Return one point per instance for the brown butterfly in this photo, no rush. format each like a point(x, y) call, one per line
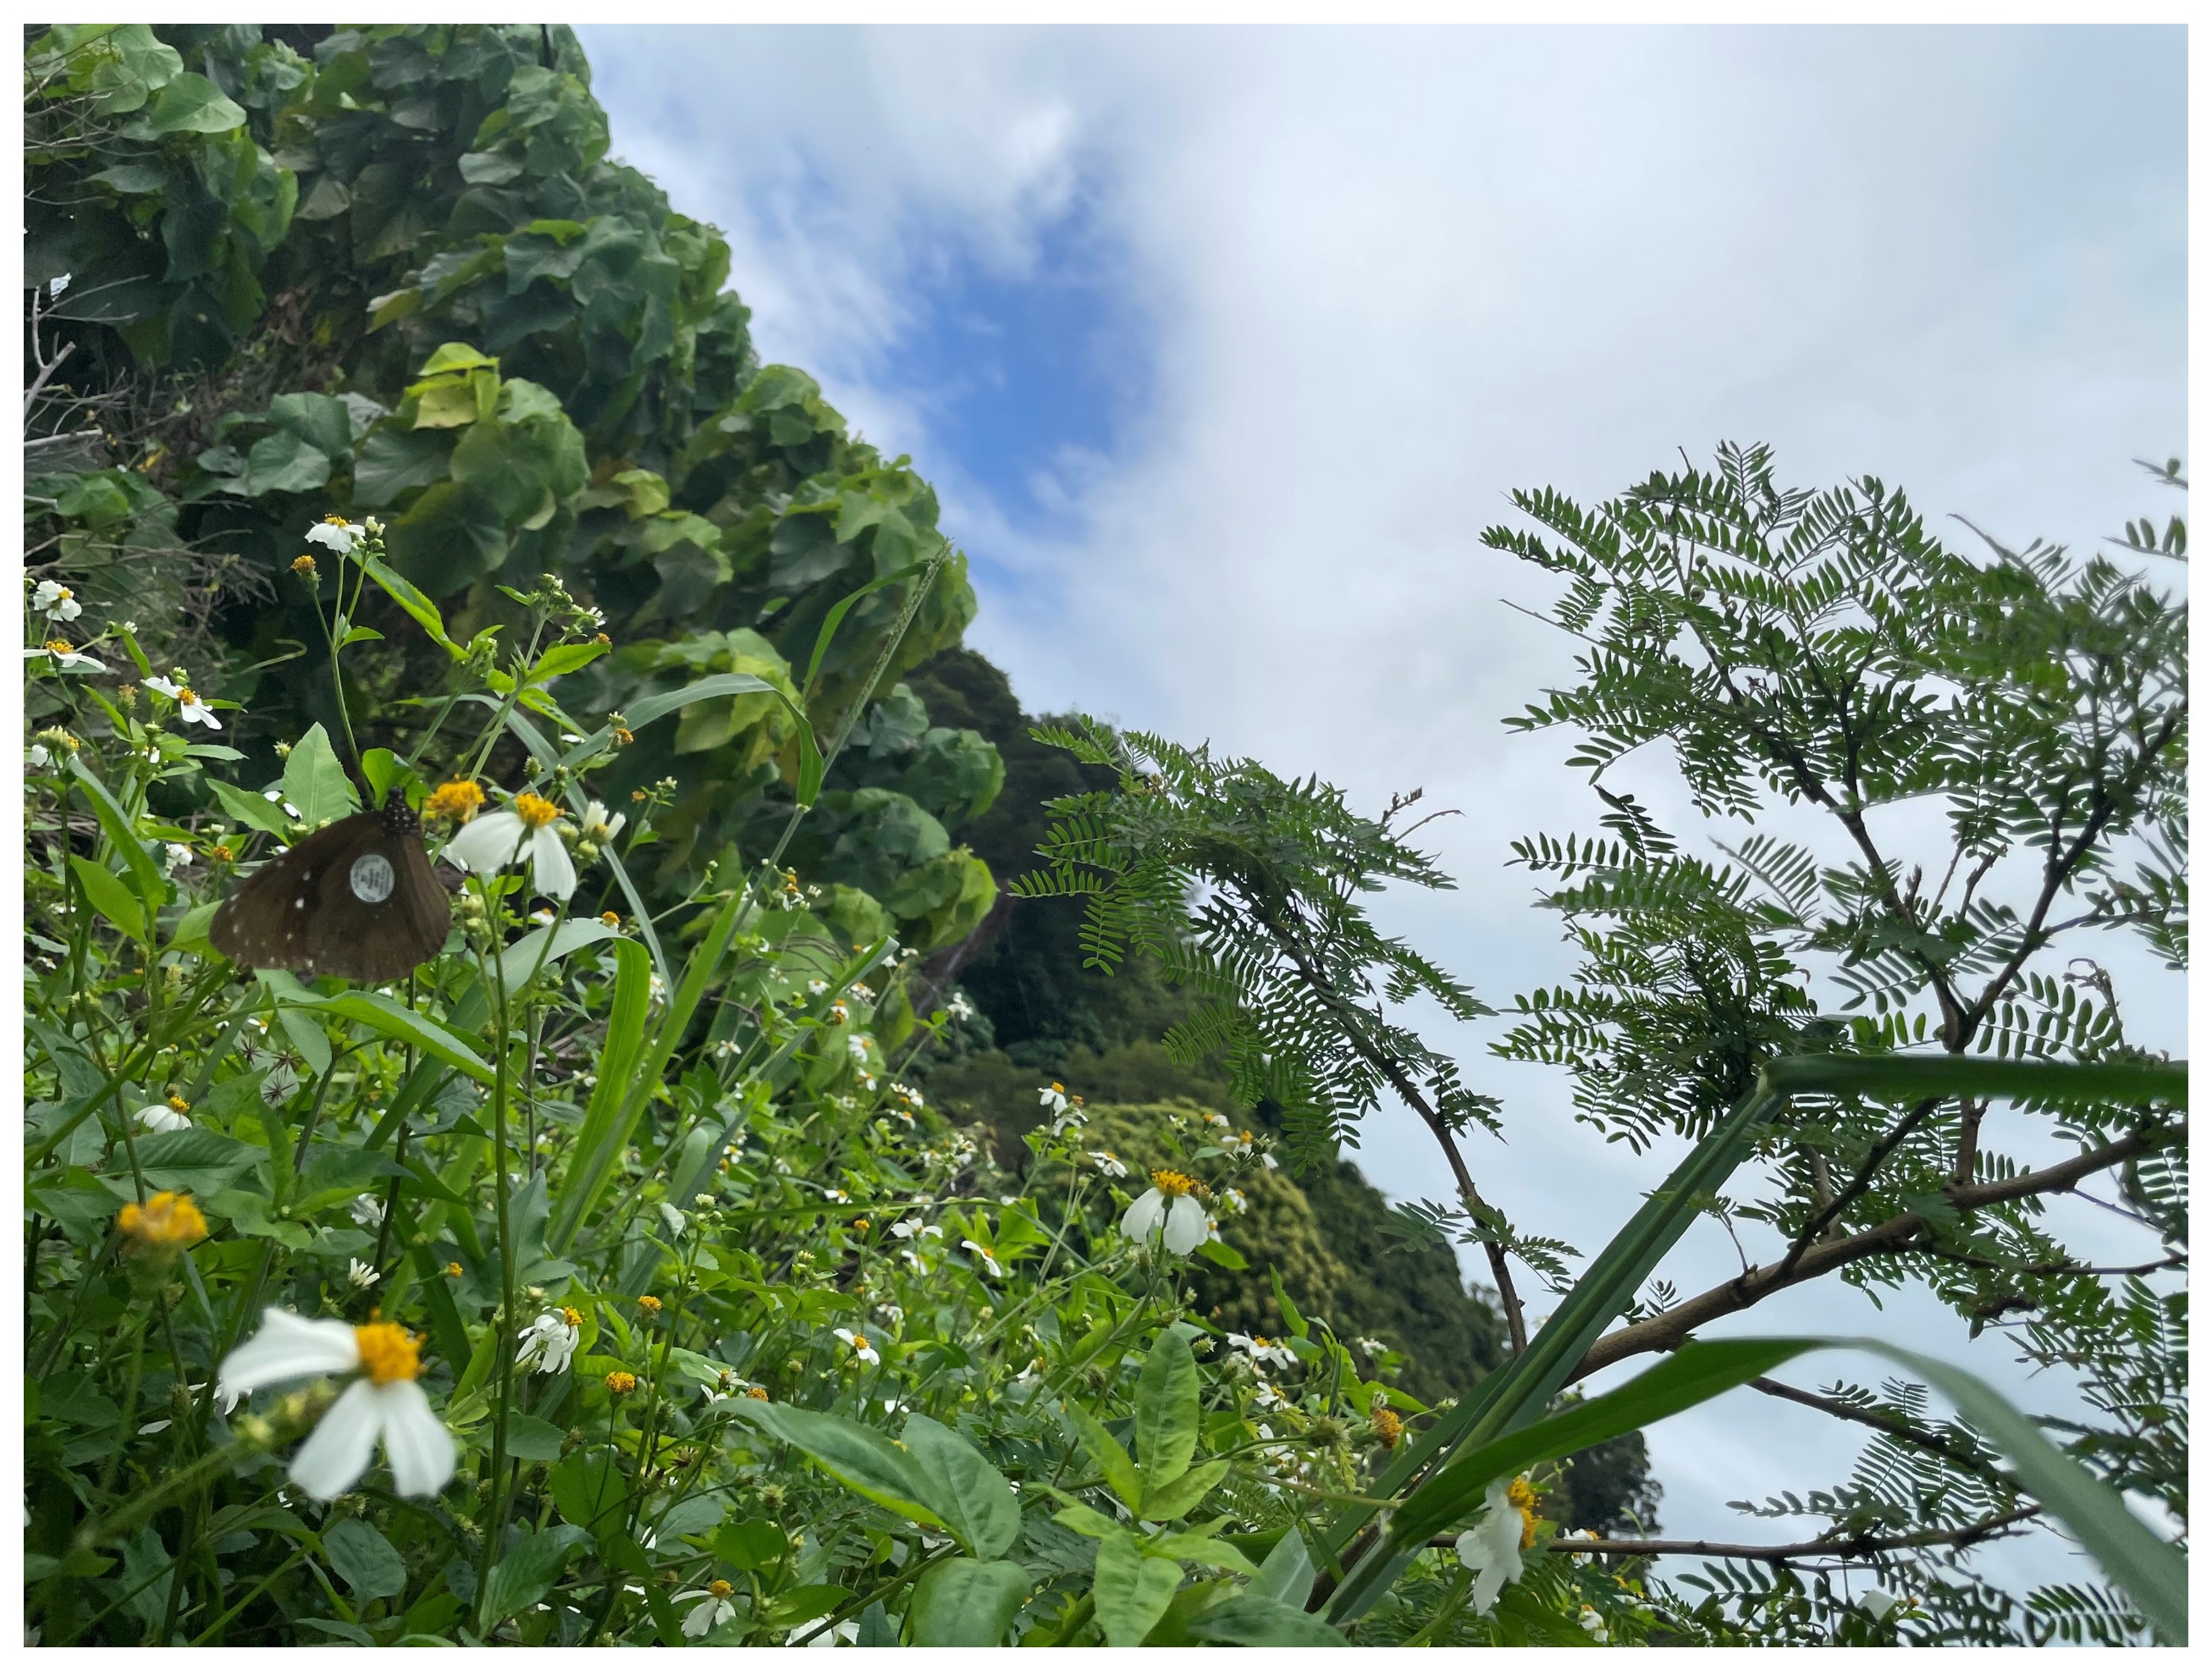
point(357, 899)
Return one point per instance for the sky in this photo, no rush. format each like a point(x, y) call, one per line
point(1222, 348)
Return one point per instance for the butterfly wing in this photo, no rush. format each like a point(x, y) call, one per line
point(363, 937)
point(266, 923)
point(357, 900)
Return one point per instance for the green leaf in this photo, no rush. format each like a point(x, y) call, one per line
point(618, 1056)
point(1167, 1411)
point(1221, 1253)
point(564, 659)
point(315, 782)
point(1287, 1574)
point(1904, 1078)
point(532, 1440)
point(146, 880)
point(1181, 1494)
point(962, 1603)
point(1112, 1461)
point(251, 810)
point(365, 1559)
point(587, 1485)
point(394, 1020)
point(198, 1160)
point(1212, 1552)
point(531, 952)
point(104, 889)
point(529, 1570)
point(1250, 1619)
point(837, 616)
point(190, 103)
point(971, 1497)
point(1131, 1590)
point(752, 1546)
point(284, 462)
point(414, 600)
point(858, 1457)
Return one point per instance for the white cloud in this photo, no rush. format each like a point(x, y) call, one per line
point(1393, 276)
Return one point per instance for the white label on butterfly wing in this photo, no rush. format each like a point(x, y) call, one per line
point(372, 878)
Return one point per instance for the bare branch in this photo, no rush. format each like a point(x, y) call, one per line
point(1785, 1554)
point(1667, 1329)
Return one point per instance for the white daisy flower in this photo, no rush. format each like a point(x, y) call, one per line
point(67, 656)
point(384, 1404)
point(361, 1274)
point(960, 1009)
point(1169, 1211)
point(857, 1047)
point(56, 601)
point(367, 1212)
point(1593, 1622)
point(1373, 1348)
point(905, 1228)
point(990, 1259)
point(1490, 1548)
point(174, 854)
point(817, 987)
point(1053, 1096)
point(162, 1117)
point(548, 1344)
point(1108, 1162)
point(599, 826)
point(335, 534)
point(489, 843)
point(847, 1631)
point(1261, 1350)
point(190, 709)
point(859, 1343)
point(714, 1607)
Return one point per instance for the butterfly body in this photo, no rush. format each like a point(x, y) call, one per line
point(357, 899)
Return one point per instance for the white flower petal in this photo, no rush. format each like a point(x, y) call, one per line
point(415, 1441)
point(337, 1453)
point(290, 1348)
point(486, 845)
point(553, 872)
point(1186, 1225)
point(1142, 1221)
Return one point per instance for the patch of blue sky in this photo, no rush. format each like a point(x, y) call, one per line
point(1027, 377)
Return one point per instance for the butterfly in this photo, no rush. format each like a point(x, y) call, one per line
point(357, 899)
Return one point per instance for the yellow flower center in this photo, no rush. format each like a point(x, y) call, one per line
point(535, 811)
point(649, 1302)
point(719, 1589)
point(180, 1106)
point(613, 919)
point(61, 646)
point(859, 1343)
point(303, 564)
point(188, 698)
point(1522, 1496)
point(168, 1219)
point(336, 520)
point(1170, 1182)
point(1389, 1427)
point(1261, 1343)
point(1058, 1089)
point(458, 799)
point(388, 1352)
point(454, 1268)
point(760, 1393)
point(620, 1382)
point(571, 1316)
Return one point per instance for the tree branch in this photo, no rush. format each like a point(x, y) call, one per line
point(1667, 1329)
point(1355, 1033)
point(1896, 1427)
point(1783, 1554)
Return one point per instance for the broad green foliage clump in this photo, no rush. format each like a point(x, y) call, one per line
point(393, 271)
point(674, 1258)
